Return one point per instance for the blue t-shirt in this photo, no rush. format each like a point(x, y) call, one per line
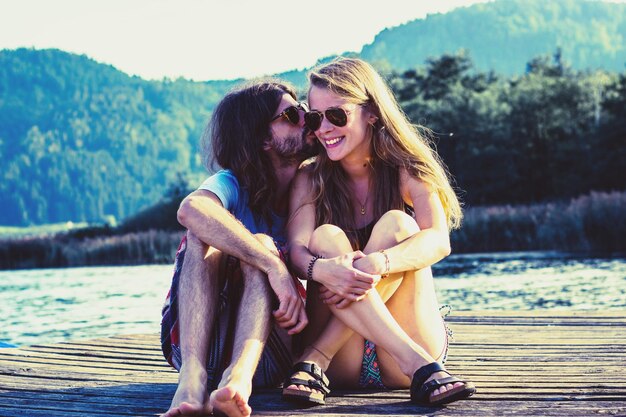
point(226, 187)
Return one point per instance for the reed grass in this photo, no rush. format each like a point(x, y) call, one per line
point(591, 223)
point(147, 247)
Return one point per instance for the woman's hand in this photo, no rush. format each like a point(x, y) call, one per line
point(333, 299)
point(340, 277)
point(373, 264)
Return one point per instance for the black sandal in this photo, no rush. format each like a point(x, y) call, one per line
point(319, 383)
point(421, 390)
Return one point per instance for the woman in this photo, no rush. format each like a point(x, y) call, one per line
point(368, 218)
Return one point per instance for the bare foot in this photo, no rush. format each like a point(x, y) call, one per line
point(228, 401)
point(191, 397)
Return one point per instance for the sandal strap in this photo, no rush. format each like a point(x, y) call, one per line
point(311, 383)
point(319, 382)
point(433, 384)
point(422, 374)
point(420, 389)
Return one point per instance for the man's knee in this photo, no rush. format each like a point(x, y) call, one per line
point(268, 242)
point(196, 246)
point(249, 271)
point(199, 255)
point(396, 223)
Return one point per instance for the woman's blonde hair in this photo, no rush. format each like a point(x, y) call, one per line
point(396, 143)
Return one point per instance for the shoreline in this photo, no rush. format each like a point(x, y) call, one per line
point(590, 223)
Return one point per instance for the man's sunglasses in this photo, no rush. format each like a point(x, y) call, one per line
point(292, 113)
point(335, 115)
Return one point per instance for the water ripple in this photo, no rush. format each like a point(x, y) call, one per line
point(52, 305)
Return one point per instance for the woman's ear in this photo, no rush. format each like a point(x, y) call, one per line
point(372, 117)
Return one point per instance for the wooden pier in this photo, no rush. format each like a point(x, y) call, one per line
point(523, 364)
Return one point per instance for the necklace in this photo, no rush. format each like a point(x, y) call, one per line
point(363, 204)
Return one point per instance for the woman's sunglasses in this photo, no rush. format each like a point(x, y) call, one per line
point(335, 115)
point(292, 113)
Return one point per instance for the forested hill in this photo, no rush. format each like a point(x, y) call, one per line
point(80, 140)
point(503, 34)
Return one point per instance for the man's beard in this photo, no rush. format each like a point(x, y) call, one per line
point(295, 149)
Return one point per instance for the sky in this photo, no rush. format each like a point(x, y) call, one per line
point(206, 39)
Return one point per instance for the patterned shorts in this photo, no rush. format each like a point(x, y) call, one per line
point(370, 376)
point(276, 359)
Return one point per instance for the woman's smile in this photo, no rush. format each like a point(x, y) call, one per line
point(333, 142)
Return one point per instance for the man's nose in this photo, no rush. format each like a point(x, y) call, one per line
point(301, 113)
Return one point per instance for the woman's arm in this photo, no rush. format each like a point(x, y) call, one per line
point(424, 248)
point(337, 273)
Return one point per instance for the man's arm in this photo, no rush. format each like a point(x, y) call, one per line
point(203, 214)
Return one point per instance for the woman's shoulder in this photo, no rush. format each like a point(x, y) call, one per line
point(411, 184)
point(302, 184)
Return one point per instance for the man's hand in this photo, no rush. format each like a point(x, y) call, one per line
point(340, 277)
point(290, 314)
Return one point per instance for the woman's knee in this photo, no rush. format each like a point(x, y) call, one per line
point(327, 238)
point(395, 224)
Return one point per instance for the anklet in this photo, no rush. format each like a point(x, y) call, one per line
point(321, 353)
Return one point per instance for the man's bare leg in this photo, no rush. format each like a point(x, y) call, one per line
point(197, 303)
point(254, 323)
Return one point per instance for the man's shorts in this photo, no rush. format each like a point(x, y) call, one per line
point(276, 359)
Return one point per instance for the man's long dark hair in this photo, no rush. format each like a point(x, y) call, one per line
point(234, 138)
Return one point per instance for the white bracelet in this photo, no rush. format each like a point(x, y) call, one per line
point(386, 273)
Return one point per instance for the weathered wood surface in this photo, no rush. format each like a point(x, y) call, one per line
point(523, 363)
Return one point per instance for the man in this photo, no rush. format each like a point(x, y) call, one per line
point(233, 303)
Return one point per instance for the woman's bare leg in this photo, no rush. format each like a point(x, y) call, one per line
point(413, 304)
point(326, 336)
point(427, 334)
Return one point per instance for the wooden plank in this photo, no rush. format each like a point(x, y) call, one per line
point(548, 364)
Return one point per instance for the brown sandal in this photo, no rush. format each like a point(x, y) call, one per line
point(319, 383)
point(421, 390)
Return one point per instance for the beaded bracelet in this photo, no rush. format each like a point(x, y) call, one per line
point(309, 270)
point(386, 273)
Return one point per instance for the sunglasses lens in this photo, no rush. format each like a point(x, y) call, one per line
point(313, 120)
point(292, 115)
point(337, 116)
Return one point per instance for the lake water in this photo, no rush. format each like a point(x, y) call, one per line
point(53, 305)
